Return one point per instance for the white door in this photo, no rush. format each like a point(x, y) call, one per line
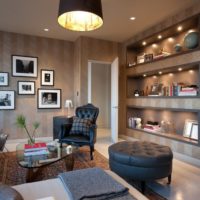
point(114, 99)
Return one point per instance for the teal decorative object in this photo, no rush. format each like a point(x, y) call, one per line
point(191, 40)
point(178, 48)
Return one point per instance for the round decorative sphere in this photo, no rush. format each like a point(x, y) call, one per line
point(191, 40)
point(178, 47)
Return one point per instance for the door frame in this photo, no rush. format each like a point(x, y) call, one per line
point(90, 82)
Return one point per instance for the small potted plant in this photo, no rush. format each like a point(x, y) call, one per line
point(21, 123)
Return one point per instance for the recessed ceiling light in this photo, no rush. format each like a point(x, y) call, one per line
point(170, 74)
point(132, 18)
point(144, 75)
point(171, 39)
point(179, 69)
point(159, 36)
point(154, 45)
point(46, 29)
point(154, 76)
point(191, 71)
point(160, 72)
point(179, 28)
point(144, 43)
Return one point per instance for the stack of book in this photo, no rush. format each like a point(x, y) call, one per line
point(35, 149)
point(188, 91)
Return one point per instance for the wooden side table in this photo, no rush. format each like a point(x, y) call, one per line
point(57, 122)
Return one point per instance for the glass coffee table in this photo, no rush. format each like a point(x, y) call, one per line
point(36, 162)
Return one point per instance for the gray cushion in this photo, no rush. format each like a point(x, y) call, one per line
point(8, 193)
point(80, 126)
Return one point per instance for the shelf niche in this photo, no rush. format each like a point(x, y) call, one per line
point(157, 115)
point(170, 37)
point(186, 74)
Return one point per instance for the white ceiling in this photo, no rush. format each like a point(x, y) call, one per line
point(32, 16)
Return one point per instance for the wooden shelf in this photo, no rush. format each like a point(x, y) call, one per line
point(168, 135)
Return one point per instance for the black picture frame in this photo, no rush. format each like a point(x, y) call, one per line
point(7, 100)
point(4, 79)
point(47, 77)
point(26, 87)
point(24, 66)
point(49, 98)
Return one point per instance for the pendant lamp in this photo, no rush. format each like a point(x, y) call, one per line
point(80, 15)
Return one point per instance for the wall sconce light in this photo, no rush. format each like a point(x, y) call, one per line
point(68, 105)
point(80, 15)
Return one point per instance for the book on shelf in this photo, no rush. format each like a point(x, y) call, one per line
point(36, 153)
point(35, 147)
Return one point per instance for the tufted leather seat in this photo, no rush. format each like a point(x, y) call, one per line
point(141, 160)
point(87, 111)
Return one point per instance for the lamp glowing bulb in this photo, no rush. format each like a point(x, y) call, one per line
point(159, 36)
point(160, 72)
point(180, 69)
point(144, 75)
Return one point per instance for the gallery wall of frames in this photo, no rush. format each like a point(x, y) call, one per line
point(26, 66)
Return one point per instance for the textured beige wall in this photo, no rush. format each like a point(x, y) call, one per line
point(52, 54)
point(92, 49)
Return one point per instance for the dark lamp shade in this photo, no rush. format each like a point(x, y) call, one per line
point(80, 15)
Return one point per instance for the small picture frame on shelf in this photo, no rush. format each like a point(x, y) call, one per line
point(49, 98)
point(7, 100)
point(148, 57)
point(191, 129)
point(47, 77)
point(194, 131)
point(4, 79)
point(24, 66)
point(140, 59)
point(26, 87)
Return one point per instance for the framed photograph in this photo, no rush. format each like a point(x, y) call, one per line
point(148, 57)
point(26, 87)
point(47, 77)
point(3, 78)
point(7, 100)
point(48, 98)
point(191, 129)
point(24, 66)
point(194, 131)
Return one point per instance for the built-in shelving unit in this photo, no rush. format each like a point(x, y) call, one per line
point(164, 44)
point(163, 84)
point(169, 126)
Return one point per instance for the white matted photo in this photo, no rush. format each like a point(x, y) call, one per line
point(49, 98)
point(24, 66)
point(7, 100)
point(191, 129)
point(47, 77)
point(26, 87)
point(3, 78)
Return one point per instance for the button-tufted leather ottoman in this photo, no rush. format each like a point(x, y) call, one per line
point(141, 161)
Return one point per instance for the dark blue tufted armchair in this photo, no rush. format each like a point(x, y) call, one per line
point(88, 111)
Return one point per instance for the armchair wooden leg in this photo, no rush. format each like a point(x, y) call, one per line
point(91, 152)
